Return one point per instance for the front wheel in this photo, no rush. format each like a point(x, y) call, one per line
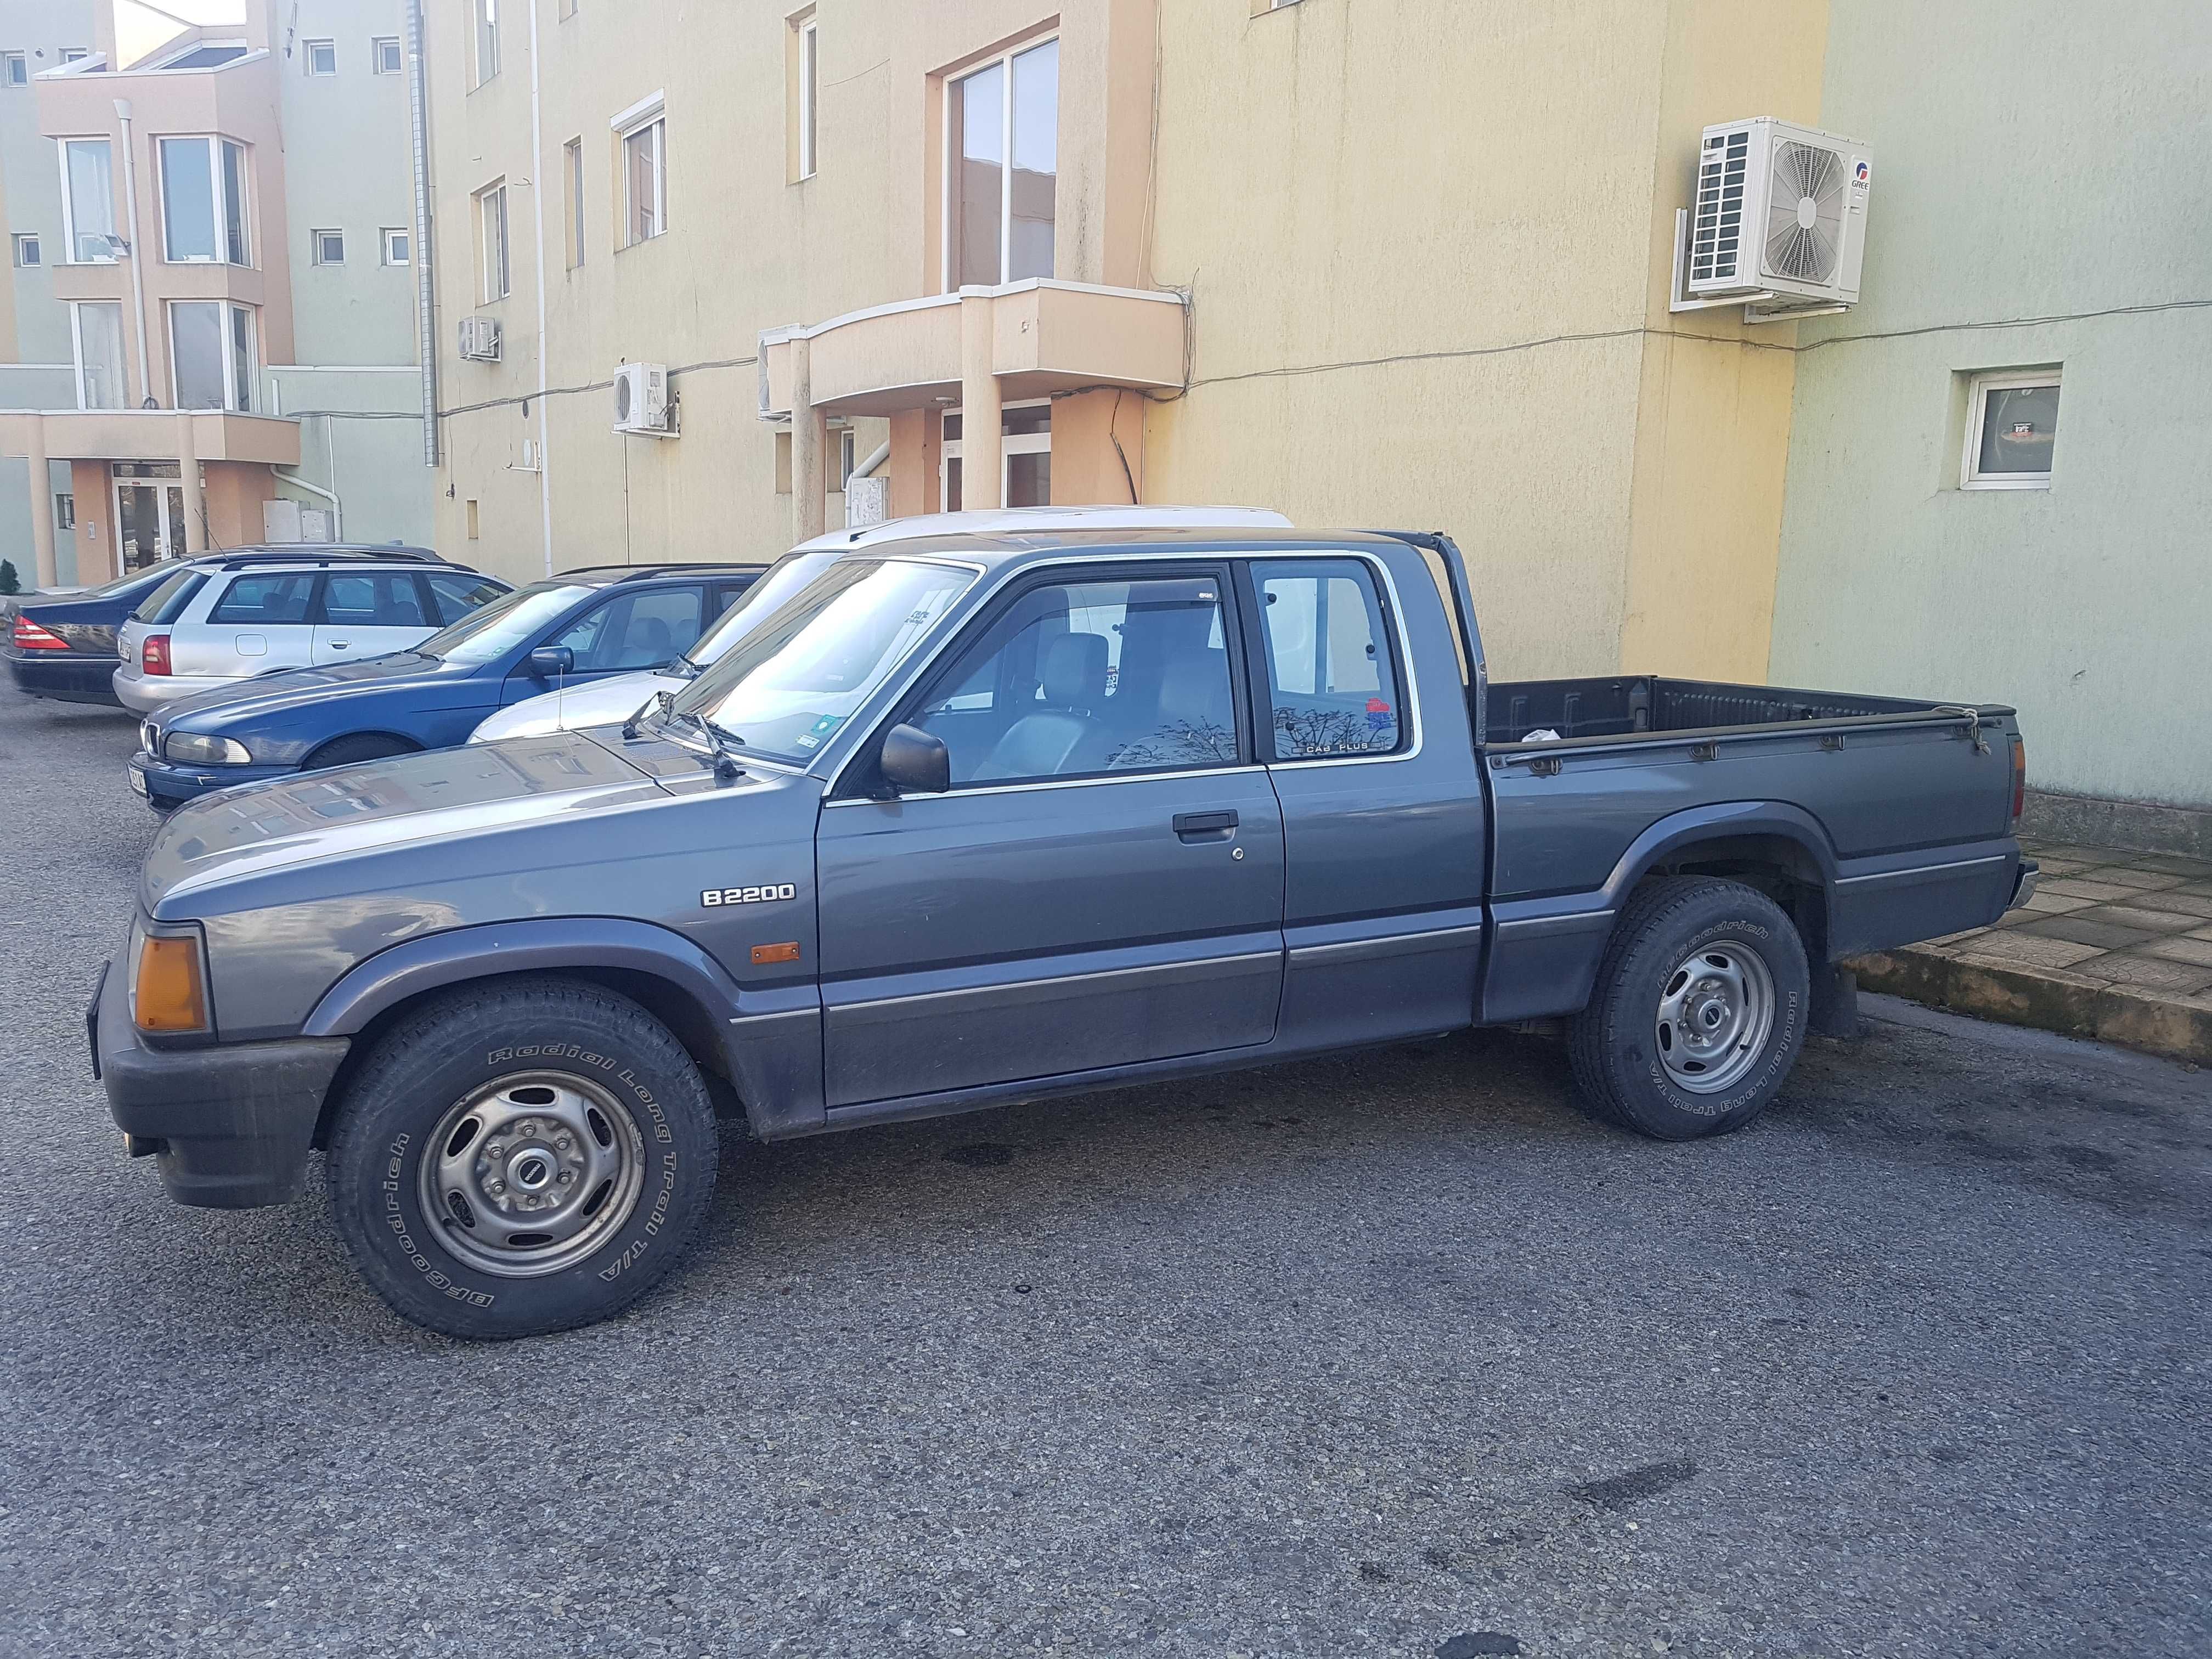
point(522, 1158)
point(1697, 1013)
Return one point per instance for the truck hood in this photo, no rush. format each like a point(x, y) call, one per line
point(599, 702)
point(279, 693)
point(443, 796)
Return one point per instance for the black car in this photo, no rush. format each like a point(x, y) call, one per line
point(62, 645)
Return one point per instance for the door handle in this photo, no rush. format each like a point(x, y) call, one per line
point(340, 645)
point(1204, 826)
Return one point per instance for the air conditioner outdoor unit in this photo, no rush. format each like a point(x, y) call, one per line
point(1778, 223)
point(641, 400)
point(480, 339)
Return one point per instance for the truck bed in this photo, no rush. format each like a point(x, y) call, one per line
point(1632, 706)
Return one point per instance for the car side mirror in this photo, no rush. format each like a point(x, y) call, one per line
point(915, 761)
point(550, 662)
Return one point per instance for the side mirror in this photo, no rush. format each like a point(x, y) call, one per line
point(915, 760)
point(549, 662)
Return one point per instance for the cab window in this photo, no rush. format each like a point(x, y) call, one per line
point(1332, 689)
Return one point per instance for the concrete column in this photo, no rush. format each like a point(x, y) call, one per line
point(982, 448)
point(809, 501)
point(42, 505)
point(188, 468)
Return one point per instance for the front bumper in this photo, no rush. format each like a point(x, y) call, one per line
point(63, 675)
point(146, 693)
point(167, 786)
point(229, 1126)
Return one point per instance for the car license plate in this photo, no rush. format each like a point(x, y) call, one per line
point(137, 780)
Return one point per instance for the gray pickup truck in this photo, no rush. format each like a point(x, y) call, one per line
point(964, 819)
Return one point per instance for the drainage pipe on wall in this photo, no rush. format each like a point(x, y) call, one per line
point(426, 294)
point(146, 399)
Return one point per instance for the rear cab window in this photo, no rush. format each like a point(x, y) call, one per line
point(1332, 678)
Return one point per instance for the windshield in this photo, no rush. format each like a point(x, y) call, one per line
point(506, 622)
point(789, 575)
point(794, 675)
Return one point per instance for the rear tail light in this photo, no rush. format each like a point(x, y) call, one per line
point(29, 636)
point(153, 654)
point(2019, 780)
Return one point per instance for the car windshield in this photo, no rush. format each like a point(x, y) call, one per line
point(507, 622)
point(790, 680)
point(789, 575)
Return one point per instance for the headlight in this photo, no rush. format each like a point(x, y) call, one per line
point(195, 750)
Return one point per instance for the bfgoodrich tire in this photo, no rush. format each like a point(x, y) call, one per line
point(1697, 1013)
point(524, 1157)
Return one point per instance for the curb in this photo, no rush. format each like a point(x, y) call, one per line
point(2018, 995)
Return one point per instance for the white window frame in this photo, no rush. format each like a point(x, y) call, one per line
point(28, 239)
point(77, 351)
point(218, 195)
point(69, 251)
point(810, 76)
point(490, 203)
point(233, 401)
point(646, 115)
point(407, 240)
point(14, 68)
point(377, 47)
point(309, 48)
point(65, 515)
point(75, 54)
point(1004, 61)
point(315, 246)
point(1978, 404)
point(1011, 443)
point(571, 190)
point(484, 57)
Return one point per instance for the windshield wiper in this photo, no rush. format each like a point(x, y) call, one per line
point(725, 759)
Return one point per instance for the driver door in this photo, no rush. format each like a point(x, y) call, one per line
point(1102, 886)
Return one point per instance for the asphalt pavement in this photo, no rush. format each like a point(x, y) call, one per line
point(1395, 1354)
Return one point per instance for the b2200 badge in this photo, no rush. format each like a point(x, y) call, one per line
point(715, 896)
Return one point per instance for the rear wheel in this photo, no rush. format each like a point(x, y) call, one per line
point(522, 1158)
point(1697, 1013)
point(347, 751)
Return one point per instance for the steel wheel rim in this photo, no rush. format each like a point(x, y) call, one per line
point(529, 1174)
point(1716, 1013)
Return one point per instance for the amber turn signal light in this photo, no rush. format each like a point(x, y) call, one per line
point(765, 954)
point(171, 994)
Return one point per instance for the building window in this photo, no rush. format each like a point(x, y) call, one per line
point(329, 246)
point(1025, 455)
point(64, 510)
point(96, 335)
point(845, 461)
point(486, 40)
point(2012, 427)
point(645, 176)
point(322, 57)
point(26, 250)
point(568, 9)
point(807, 79)
point(14, 68)
point(212, 355)
point(75, 54)
point(203, 202)
point(397, 244)
point(491, 240)
point(384, 56)
point(88, 200)
point(572, 174)
point(1002, 140)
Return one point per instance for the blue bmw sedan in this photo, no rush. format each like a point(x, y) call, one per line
point(569, 629)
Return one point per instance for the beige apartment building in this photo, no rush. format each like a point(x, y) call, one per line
point(212, 230)
point(1396, 262)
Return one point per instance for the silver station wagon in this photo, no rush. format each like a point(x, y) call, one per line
point(214, 624)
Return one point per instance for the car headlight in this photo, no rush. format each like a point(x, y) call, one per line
point(195, 750)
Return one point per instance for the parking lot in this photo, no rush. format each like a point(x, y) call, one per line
point(1393, 1354)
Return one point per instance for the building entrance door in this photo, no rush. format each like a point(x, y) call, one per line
point(149, 518)
point(1025, 464)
